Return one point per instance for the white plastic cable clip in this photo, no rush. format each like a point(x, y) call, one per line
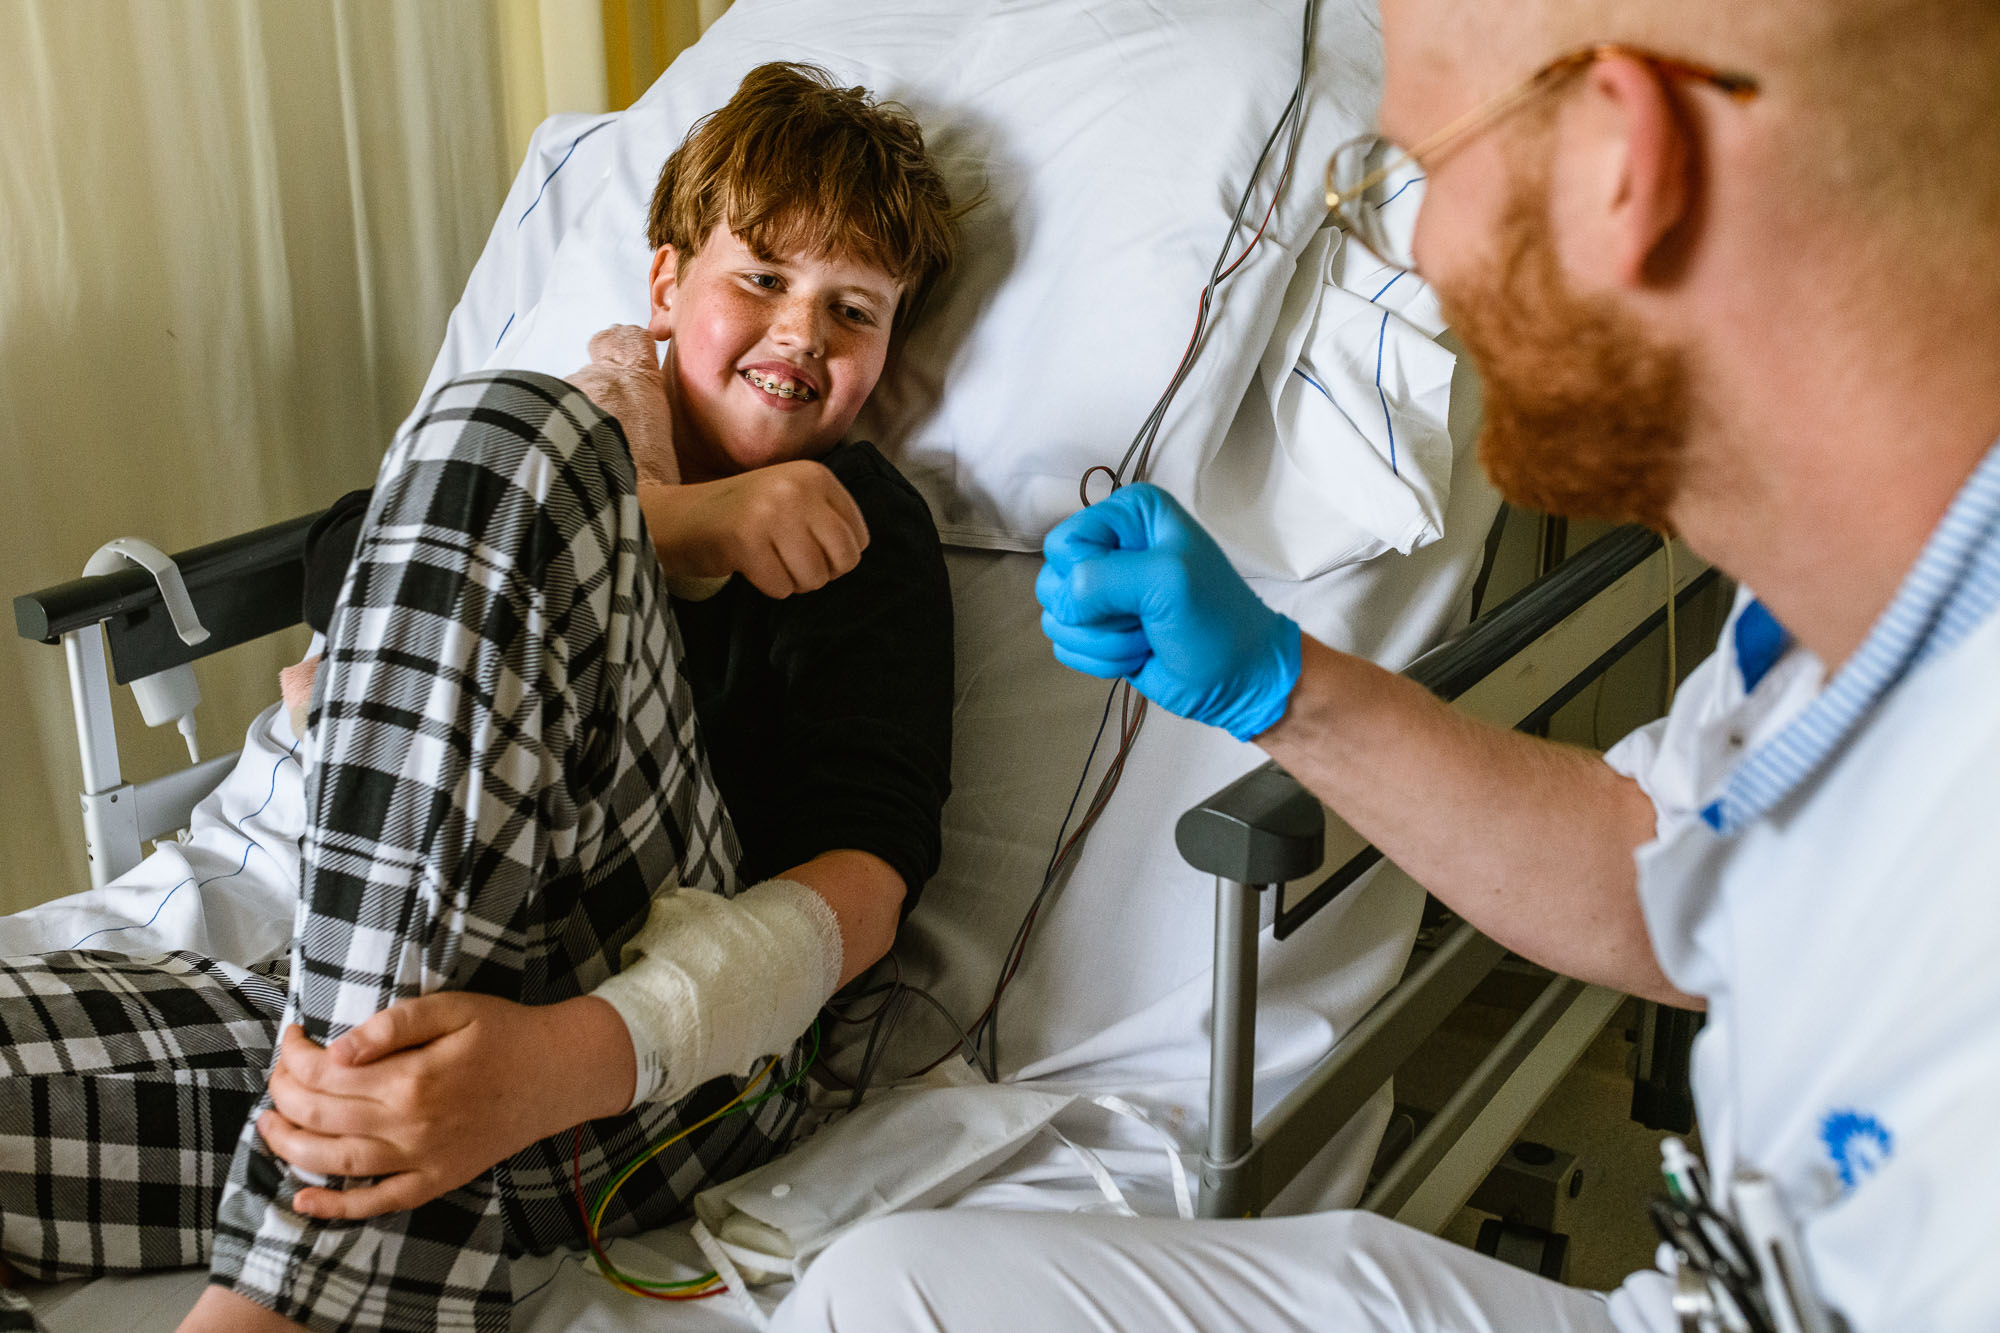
point(167, 574)
point(171, 695)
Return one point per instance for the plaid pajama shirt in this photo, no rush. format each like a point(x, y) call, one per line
point(507, 769)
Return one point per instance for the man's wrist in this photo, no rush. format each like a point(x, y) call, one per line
point(1306, 702)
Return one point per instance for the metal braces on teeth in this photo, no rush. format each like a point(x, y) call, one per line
point(765, 383)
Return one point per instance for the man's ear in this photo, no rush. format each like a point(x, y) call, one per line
point(661, 288)
point(1638, 189)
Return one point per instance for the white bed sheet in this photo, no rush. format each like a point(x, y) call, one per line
point(227, 889)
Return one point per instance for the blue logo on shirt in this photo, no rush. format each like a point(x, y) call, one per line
point(1858, 1144)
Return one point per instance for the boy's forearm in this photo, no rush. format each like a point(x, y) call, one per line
point(866, 895)
point(1530, 841)
point(672, 513)
point(597, 1061)
point(591, 1045)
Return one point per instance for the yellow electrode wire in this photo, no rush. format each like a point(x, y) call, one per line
point(604, 1265)
point(639, 1286)
point(1673, 646)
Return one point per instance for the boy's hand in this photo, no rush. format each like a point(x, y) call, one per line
point(432, 1091)
point(625, 380)
point(791, 527)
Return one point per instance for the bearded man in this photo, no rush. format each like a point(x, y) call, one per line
point(1732, 270)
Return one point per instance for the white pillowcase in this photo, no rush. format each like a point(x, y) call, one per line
point(1107, 141)
point(1342, 449)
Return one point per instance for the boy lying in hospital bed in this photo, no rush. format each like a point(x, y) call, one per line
point(509, 801)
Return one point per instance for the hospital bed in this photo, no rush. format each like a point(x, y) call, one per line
point(1274, 852)
point(1322, 432)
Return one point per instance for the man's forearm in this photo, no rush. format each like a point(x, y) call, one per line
point(1528, 840)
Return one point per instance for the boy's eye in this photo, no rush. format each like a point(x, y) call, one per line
point(768, 281)
point(856, 314)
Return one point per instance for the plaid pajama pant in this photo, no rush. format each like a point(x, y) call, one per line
point(507, 768)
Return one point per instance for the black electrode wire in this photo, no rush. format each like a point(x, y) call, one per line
point(965, 1040)
point(1132, 718)
point(985, 1030)
point(1293, 116)
point(1150, 427)
point(891, 1014)
point(1061, 860)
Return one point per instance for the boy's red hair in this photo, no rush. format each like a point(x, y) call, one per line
point(794, 163)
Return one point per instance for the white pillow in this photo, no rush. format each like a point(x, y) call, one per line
point(1108, 143)
point(564, 173)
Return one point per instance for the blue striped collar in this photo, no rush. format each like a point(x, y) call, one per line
point(1953, 587)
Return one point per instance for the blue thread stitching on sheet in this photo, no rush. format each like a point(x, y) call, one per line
point(253, 843)
point(1381, 341)
point(565, 162)
point(1400, 273)
point(1315, 383)
point(504, 327)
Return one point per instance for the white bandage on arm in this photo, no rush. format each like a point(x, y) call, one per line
point(710, 984)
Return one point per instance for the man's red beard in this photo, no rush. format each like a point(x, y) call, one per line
point(1585, 416)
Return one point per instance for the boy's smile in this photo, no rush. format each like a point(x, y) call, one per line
point(768, 358)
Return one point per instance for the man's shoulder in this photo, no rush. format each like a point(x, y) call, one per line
point(1921, 777)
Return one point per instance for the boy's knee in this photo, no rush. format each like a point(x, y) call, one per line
point(503, 420)
point(499, 452)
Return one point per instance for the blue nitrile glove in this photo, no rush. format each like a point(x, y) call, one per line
point(1133, 587)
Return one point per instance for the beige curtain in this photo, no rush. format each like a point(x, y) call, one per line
point(230, 233)
point(589, 55)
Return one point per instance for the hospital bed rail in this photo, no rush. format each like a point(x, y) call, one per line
point(240, 588)
point(1515, 665)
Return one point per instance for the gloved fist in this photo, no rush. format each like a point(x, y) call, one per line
point(1133, 587)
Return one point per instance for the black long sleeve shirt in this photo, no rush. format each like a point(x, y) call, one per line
point(826, 715)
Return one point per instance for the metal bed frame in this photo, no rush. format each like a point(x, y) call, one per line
point(1516, 666)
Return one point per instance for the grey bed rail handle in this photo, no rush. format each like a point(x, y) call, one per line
point(243, 587)
point(1263, 828)
point(1256, 824)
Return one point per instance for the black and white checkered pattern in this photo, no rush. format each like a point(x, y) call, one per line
point(507, 769)
point(125, 1084)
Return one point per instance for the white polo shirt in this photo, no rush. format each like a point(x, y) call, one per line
point(1827, 877)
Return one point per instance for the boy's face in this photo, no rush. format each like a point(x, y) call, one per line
point(767, 359)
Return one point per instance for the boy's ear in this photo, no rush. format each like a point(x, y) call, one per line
point(661, 287)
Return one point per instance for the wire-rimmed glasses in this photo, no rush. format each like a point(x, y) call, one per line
point(1373, 189)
